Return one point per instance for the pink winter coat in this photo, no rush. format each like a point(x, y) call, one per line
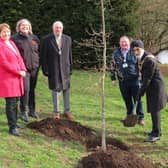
point(11, 83)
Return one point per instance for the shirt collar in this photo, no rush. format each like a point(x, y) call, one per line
point(125, 51)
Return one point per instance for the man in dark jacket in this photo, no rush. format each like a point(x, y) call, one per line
point(125, 65)
point(153, 85)
point(56, 61)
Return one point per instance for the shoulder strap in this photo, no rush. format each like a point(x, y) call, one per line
point(142, 62)
point(149, 56)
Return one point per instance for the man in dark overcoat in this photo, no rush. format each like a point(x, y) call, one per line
point(56, 61)
point(153, 85)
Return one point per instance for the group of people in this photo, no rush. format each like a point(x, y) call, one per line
point(20, 58)
point(138, 73)
point(22, 54)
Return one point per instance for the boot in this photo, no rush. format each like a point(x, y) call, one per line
point(33, 114)
point(24, 117)
point(14, 131)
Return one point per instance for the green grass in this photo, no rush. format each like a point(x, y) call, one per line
point(33, 150)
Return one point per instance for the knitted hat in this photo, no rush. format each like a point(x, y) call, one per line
point(137, 43)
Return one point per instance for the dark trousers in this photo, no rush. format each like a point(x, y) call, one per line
point(156, 129)
point(27, 101)
point(11, 111)
point(129, 90)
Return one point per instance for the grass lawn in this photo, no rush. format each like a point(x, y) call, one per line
point(33, 150)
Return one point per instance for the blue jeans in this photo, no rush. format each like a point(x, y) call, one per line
point(129, 90)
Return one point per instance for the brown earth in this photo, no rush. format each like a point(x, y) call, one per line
point(164, 70)
point(118, 155)
point(114, 158)
point(63, 129)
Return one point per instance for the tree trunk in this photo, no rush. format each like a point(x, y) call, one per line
point(103, 78)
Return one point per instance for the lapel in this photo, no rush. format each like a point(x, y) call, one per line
point(17, 53)
point(62, 41)
point(122, 56)
point(126, 57)
point(16, 49)
point(140, 63)
point(146, 55)
point(53, 43)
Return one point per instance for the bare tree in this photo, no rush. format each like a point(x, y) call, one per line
point(153, 17)
point(103, 77)
point(95, 42)
point(98, 41)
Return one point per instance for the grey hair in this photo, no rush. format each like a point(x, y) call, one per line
point(57, 22)
point(125, 36)
point(20, 22)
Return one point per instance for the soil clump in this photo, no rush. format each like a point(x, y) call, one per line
point(118, 155)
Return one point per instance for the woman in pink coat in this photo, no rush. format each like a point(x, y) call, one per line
point(12, 71)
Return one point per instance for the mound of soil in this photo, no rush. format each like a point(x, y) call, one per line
point(164, 70)
point(118, 155)
point(63, 129)
point(71, 130)
point(94, 144)
point(114, 158)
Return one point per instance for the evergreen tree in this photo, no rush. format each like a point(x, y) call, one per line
point(78, 16)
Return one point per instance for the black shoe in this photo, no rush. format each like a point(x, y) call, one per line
point(152, 139)
point(19, 126)
point(33, 114)
point(24, 117)
point(151, 134)
point(14, 132)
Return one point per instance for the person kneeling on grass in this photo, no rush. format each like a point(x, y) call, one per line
point(152, 83)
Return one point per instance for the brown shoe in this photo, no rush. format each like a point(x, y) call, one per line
point(56, 116)
point(141, 122)
point(69, 116)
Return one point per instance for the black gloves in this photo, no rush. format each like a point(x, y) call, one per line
point(141, 93)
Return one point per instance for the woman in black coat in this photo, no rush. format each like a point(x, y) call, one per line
point(28, 45)
point(153, 85)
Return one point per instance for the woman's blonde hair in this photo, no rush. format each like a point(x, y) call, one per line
point(20, 22)
point(4, 25)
